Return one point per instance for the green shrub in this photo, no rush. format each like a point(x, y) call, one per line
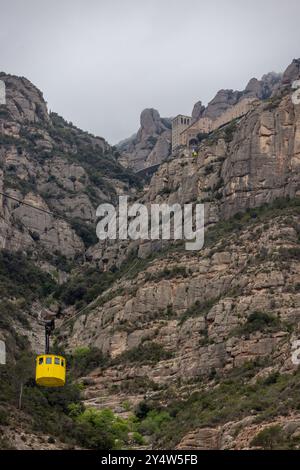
point(86, 359)
point(259, 321)
point(5, 445)
point(85, 286)
point(85, 231)
point(280, 206)
point(143, 409)
point(154, 422)
point(145, 353)
point(20, 277)
point(152, 140)
point(138, 438)
point(292, 253)
point(139, 384)
point(73, 293)
point(3, 417)
point(202, 136)
point(166, 273)
point(208, 170)
point(229, 131)
point(199, 308)
point(269, 438)
point(103, 429)
point(234, 398)
point(75, 409)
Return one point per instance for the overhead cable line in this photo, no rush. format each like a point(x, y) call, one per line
point(33, 207)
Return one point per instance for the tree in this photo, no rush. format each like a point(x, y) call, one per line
point(24, 370)
point(268, 438)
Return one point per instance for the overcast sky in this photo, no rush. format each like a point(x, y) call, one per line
point(99, 63)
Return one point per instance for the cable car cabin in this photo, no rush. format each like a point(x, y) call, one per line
point(50, 370)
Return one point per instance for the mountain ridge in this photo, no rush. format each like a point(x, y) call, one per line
point(148, 147)
point(197, 346)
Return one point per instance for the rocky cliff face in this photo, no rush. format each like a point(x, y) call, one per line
point(225, 99)
point(150, 146)
point(52, 178)
point(199, 342)
point(247, 164)
point(292, 72)
point(186, 322)
point(185, 331)
point(49, 164)
point(264, 88)
point(198, 111)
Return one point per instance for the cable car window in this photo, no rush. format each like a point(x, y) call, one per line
point(62, 363)
point(48, 360)
point(56, 361)
point(41, 360)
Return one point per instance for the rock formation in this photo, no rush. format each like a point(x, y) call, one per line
point(224, 99)
point(263, 89)
point(49, 164)
point(203, 341)
point(197, 309)
point(198, 111)
point(151, 145)
point(292, 72)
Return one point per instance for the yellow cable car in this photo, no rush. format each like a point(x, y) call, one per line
point(50, 368)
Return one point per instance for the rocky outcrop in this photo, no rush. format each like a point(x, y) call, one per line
point(239, 435)
point(257, 162)
point(198, 111)
point(24, 102)
point(241, 166)
point(150, 146)
point(20, 434)
point(202, 439)
point(225, 99)
point(195, 307)
point(173, 324)
point(265, 166)
point(263, 89)
point(150, 123)
point(52, 166)
point(292, 72)
point(157, 309)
